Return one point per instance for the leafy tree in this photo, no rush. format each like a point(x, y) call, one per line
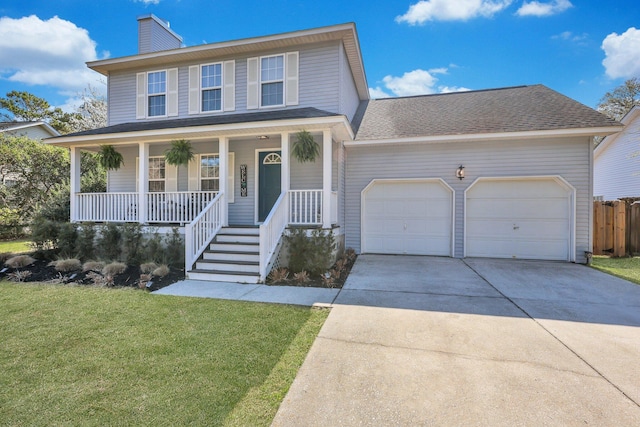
point(25, 107)
point(621, 100)
point(92, 113)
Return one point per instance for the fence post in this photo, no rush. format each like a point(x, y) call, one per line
point(619, 225)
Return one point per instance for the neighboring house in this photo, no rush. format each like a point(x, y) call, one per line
point(31, 130)
point(498, 173)
point(616, 161)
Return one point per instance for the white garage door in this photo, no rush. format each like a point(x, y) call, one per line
point(519, 218)
point(407, 217)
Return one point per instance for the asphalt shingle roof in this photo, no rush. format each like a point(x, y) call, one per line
point(514, 109)
point(297, 113)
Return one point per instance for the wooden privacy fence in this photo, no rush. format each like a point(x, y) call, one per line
point(616, 228)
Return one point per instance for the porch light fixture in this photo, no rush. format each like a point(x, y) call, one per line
point(263, 137)
point(460, 172)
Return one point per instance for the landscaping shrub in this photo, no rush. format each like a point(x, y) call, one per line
point(19, 261)
point(148, 267)
point(86, 241)
point(44, 235)
point(154, 251)
point(310, 253)
point(161, 271)
point(10, 223)
point(93, 266)
point(67, 239)
point(66, 265)
point(109, 242)
point(132, 243)
point(174, 248)
point(114, 268)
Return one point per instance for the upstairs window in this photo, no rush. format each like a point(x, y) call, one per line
point(156, 93)
point(157, 174)
point(272, 80)
point(211, 87)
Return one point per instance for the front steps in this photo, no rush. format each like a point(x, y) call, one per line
point(233, 256)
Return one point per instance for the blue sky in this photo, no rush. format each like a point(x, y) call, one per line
point(579, 48)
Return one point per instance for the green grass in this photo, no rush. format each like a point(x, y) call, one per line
point(625, 268)
point(15, 246)
point(90, 356)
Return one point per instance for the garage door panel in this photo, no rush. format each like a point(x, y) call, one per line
point(519, 218)
point(407, 218)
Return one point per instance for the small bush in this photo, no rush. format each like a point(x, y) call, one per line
point(93, 266)
point(310, 253)
point(19, 276)
point(5, 256)
point(279, 275)
point(174, 248)
point(109, 242)
point(148, 267)
point(301, 277)
point(67, 239)
point(114, 269)
point(44, 235)
point(85, 245)
point(100, 280)
point(132, 243)
point(154, 250)
point(161, 271)
point(19, 261)
point(66, 265)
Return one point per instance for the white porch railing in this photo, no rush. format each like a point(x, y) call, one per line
point(106, 207)
point(201, 231)
point(271, 231)
point(171, 208)
point(177, 207)
point(305, 207)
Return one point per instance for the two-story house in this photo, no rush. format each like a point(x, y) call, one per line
point(496, 173)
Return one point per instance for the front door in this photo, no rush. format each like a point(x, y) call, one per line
point(269, 163)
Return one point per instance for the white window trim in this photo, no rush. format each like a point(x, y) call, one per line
point(231, 159)
point(148, 95)
point(221, 87)
point(283, 80)
point(200, 177)
point(149, 179)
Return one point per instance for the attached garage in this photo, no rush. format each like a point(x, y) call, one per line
point(412, 217)
point(529, 218)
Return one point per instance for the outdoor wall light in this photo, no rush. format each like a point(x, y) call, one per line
point(460, 172)
point(263, 137)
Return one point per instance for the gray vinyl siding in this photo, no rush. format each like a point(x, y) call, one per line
point(568, 158)
point(319, 84)
point(349, 99)
point(153, 37)
point(32, 132)
point(242, 212)
point(124, 179)
point(307, 176)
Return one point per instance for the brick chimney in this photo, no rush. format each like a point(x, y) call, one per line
point(154, 34)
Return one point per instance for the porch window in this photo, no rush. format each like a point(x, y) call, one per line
point(212, 87)
point(157, 93)
point(157, 174)
point(272, 80)
point(210, 172)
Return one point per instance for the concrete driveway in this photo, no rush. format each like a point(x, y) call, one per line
point(441, 341)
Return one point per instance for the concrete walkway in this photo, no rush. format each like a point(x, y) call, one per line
point(438, 341)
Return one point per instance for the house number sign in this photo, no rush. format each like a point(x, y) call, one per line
point(243, 180)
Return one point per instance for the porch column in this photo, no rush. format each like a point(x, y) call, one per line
point(143, 181)
point(76, 155)
point(326, 178)
point(223, 153)
point(285, 166)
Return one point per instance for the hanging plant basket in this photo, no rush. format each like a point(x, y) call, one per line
point(110, 159)
point(180, 153)
point(305, 149)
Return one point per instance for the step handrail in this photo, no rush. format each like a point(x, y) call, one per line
point(201, 231)
point(271, 231)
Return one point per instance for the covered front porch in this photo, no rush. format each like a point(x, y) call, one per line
point(238, 178)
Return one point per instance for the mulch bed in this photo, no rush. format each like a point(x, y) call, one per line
point(41, 271)
point(317, 281)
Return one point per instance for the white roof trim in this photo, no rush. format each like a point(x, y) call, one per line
point(628, 118)
point(339, 124)
point(488, 136)
point(24, 125)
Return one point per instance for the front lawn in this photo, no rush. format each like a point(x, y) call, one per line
point(75, 355)
point(15, 246)
point(625, 268)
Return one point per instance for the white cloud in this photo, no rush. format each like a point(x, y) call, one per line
point(148, 1)
point(448, 10)
point(536, 8)
point(622, 54)
point(416, 82)
point(48, 53)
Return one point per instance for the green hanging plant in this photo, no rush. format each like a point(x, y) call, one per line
point(305, 149)
point(180, 153)
point(109, 158)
